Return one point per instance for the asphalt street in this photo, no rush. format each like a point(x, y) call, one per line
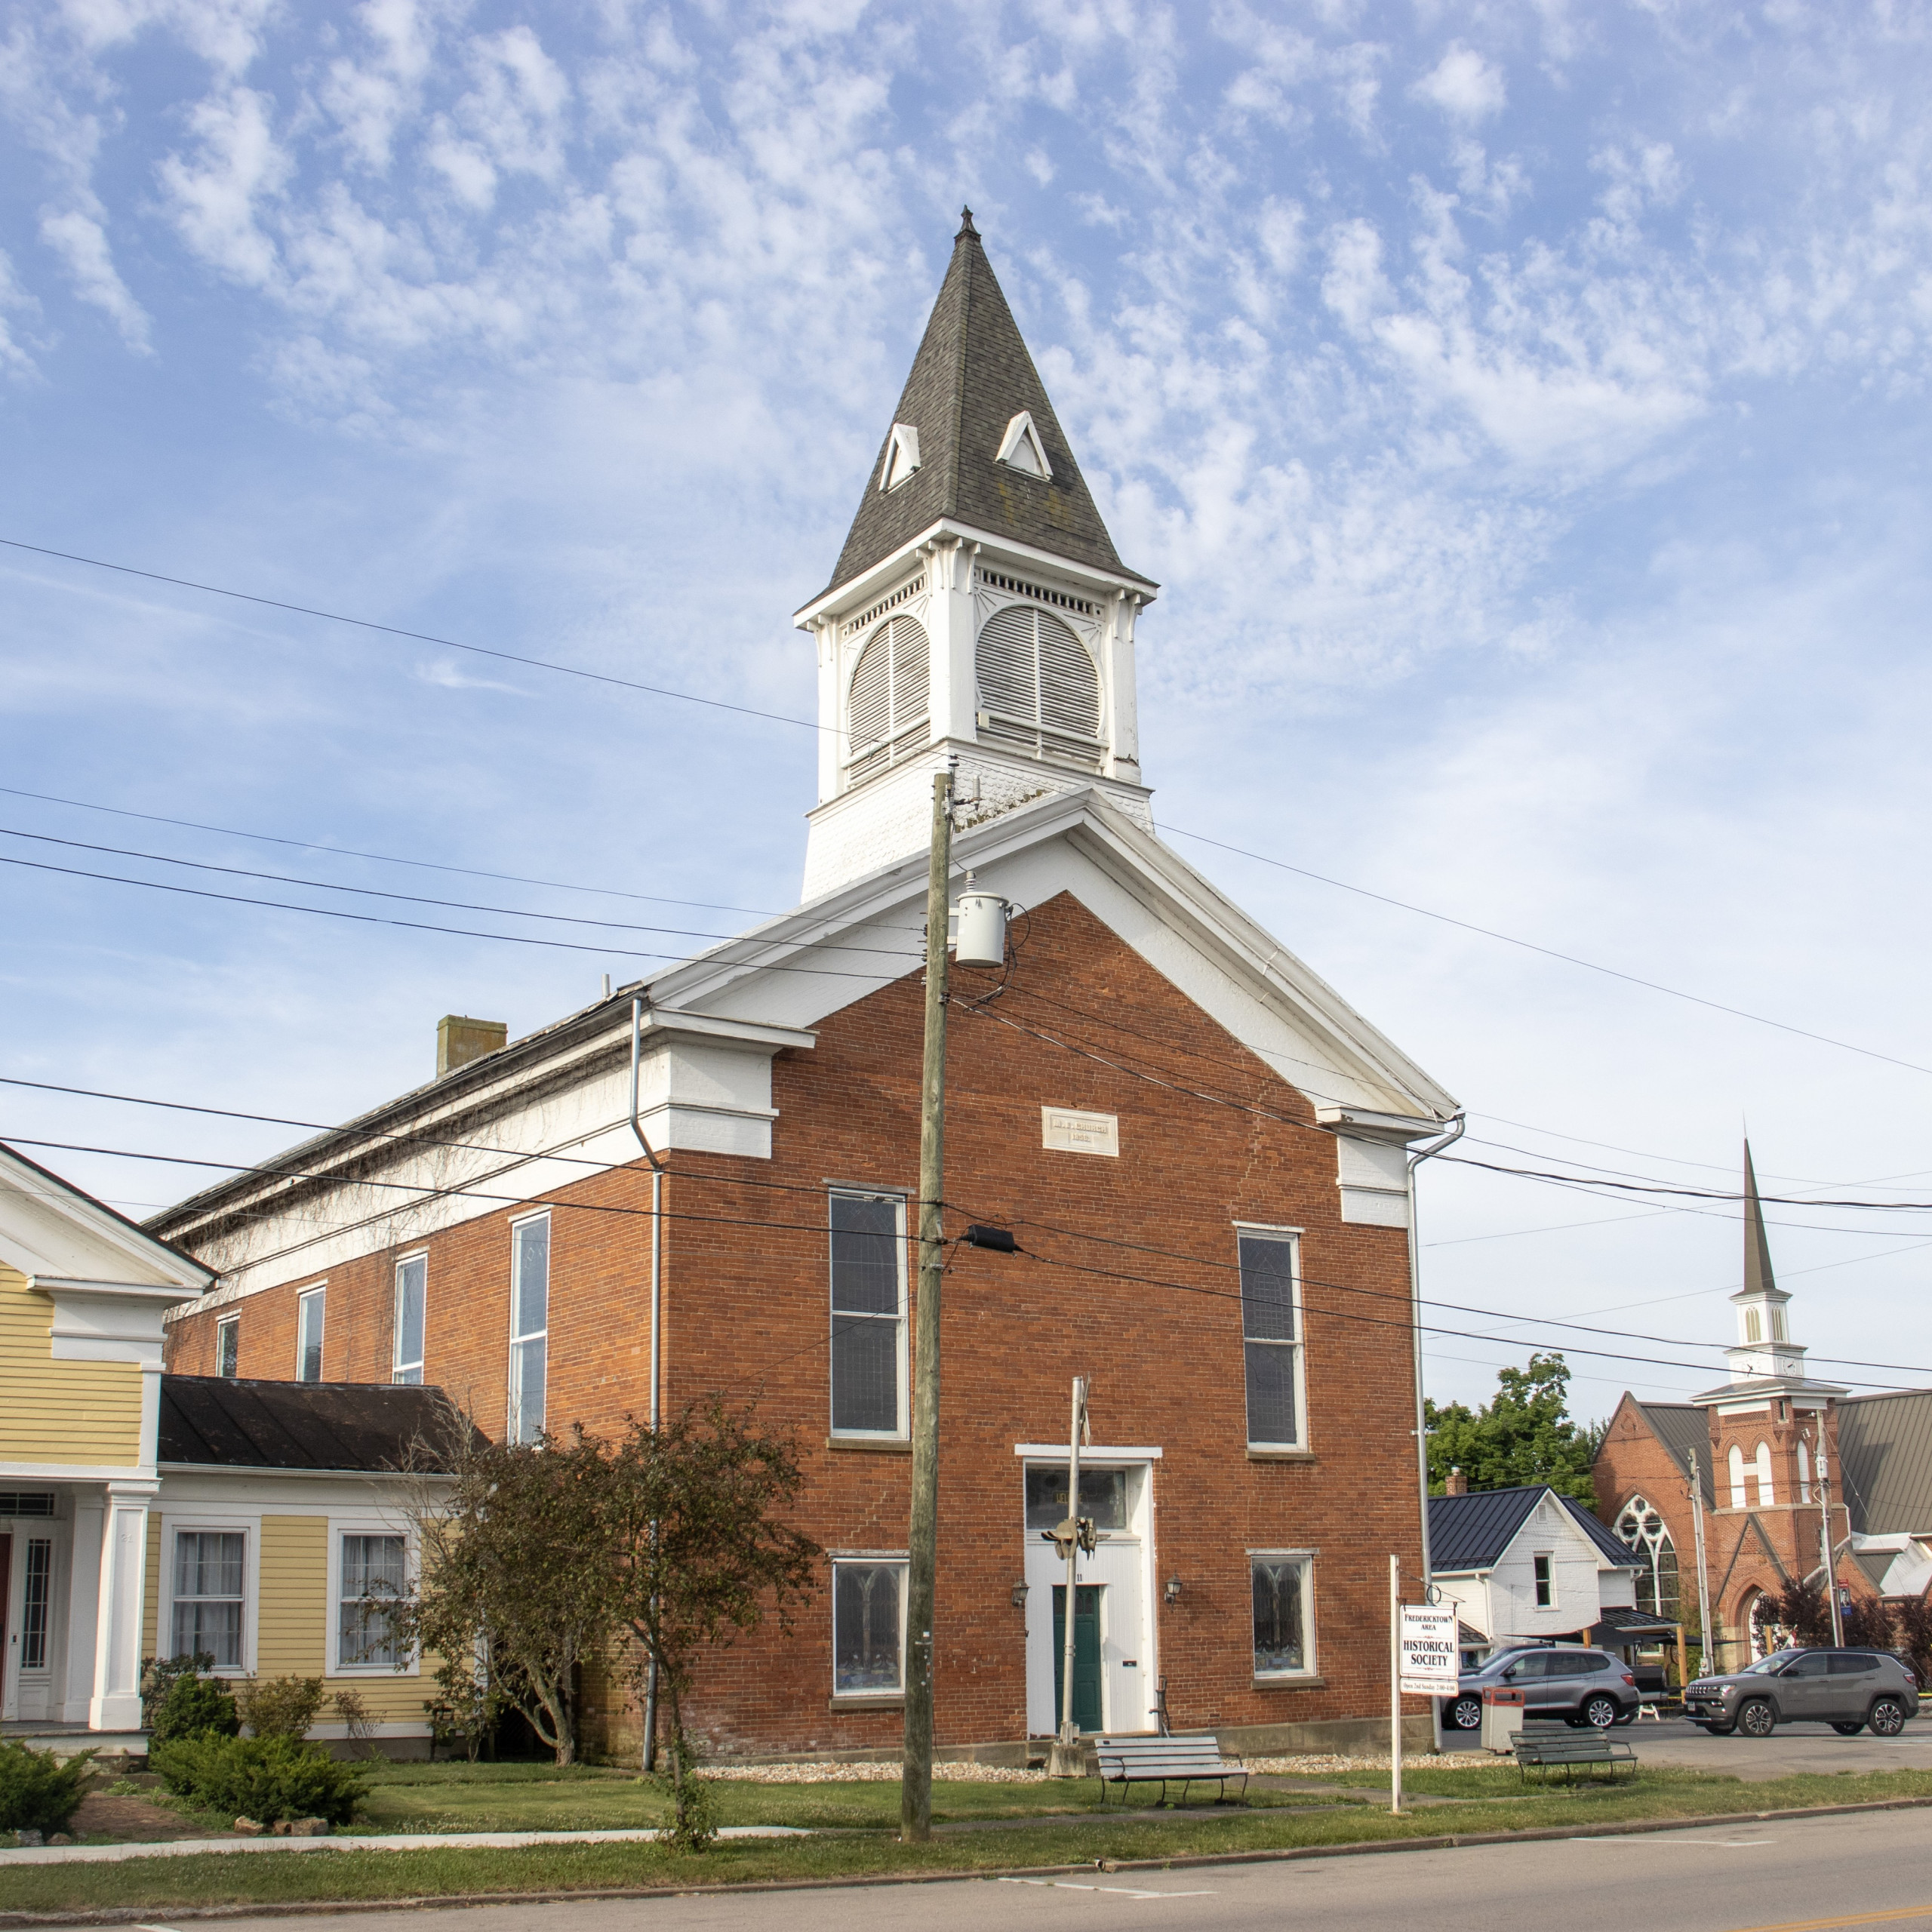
point(1802, 1876)
point(1804, 1747)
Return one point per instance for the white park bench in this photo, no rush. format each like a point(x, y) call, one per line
point(1165, 1760)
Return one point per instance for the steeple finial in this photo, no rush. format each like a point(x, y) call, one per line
point(966, 227)
point(1757, 1276)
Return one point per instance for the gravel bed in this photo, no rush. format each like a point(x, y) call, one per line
point(1314, 1766)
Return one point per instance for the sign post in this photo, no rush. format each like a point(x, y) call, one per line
point(1427, 1663)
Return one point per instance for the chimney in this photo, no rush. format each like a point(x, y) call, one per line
point(460, 1041)
point(1457, 1484)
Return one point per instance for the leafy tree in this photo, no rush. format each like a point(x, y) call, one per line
point(1524, 1436)
point(518, 1583)
point(695, 1507)
point(1911, 1620)
point(1799, 1610)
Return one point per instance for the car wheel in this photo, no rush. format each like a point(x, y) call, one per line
point(1601, 1711)
point(1466, 1713)
point(1887, 1718)
point(1757, 1718)
point(1629, 1716)
point(1850, 1729)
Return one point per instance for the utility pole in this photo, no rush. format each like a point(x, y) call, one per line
point(1706, 1662)
point(1066, 1753)
point(916, 1791)
point(1395, 1686)
point(1825, 1539)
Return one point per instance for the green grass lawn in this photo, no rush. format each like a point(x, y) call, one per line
point(155, 1884)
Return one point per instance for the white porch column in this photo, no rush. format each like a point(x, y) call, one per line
point(116, 1702)
point(76, 1694)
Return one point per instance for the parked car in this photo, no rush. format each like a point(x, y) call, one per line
point(1846, 1688)
point(1585, 1687)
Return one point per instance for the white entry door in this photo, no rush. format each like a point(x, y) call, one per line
point(1119, 1496)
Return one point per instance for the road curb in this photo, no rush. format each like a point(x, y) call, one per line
point(1186, 1861)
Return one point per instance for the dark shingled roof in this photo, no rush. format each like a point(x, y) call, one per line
point(221, 1421)
point(1680, 1428)
point(1885, 1462)
point(1471, 1532)
point(971, 376)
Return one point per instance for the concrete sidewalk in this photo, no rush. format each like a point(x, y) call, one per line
point(112, 1854)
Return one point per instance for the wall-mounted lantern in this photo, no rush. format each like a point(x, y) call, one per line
point(1020, 1596)
point(1173, 1591)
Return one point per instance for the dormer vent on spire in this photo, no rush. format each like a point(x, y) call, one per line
point(902, 456)
point(1021, 448)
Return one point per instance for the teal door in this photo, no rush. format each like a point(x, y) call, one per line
point(1086, 1654)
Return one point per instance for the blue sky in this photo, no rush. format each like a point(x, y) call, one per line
point(1525, 407)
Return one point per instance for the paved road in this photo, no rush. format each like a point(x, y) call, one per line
point(1804, 1875)
point(1802, 1747)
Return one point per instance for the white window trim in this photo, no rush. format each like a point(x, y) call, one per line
point(229, 1324)
point(249, 1529)
point(313, 1289)
point(1547, 1557)
point(897, 1559)
point(1293, 1236)
point(365, 1526)
point(1305, 1557)
point(512, 1422)
point(396, 1366)
point(903, 1433)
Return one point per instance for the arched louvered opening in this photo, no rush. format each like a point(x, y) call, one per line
point(1038, 686)
point(886, 708)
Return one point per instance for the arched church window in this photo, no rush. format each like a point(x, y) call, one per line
point(1038, 687)
point(1766, 1494)
point(1777, 1325)
point(1752, 1332)
point(1736, 1476)
point(1642, 1527)
point(1804, 1471)
point(886, 708)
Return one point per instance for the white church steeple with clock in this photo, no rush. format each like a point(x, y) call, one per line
point(978, 610)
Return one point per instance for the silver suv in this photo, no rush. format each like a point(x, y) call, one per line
point(1845, 1689)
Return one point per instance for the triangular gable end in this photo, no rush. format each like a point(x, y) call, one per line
point(1021, 448)
point(902, 456)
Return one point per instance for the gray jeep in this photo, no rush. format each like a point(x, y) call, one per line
point(1844, 1688)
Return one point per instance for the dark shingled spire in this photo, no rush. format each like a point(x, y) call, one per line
point(1758, 1275)
point(971, 376)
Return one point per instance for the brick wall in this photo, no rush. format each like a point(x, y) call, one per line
point(746, 1312)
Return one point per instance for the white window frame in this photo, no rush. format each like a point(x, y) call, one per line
point(1305, 1557)
point(398, 1368)
point(228, 1327)
point(869, 1559)
point(903, 1354)
point(317, 1291)
point(513, 1419)
point(1543, 1587)
point(1292, 1237)
point(365, 1526)
point(249, 1529)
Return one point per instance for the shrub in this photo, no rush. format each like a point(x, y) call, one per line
point(263, 1778)
point(280, 1706)
point(159, 1675)
point(38, 1792)
point(195, 1706)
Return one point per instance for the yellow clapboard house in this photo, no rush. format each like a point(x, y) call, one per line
point(143, 1516)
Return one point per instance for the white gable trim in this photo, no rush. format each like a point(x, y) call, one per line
point(50, 1230)
point(902, 456)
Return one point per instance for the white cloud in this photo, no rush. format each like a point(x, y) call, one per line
point(218, 196)
point(81, 243)
point(1464, 84)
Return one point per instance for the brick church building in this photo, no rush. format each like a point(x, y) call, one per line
point(1750, 1447)
point(1203, 1150)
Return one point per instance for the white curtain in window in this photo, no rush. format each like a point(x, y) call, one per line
point(1767, 1495)
point(1736, 1476)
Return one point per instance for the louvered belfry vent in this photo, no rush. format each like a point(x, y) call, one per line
point(886, 712)
point(1038, 687)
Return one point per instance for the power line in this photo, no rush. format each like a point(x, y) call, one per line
point(1550, 952)
point(418, 637)
point(457, 932)
point(384, 858)
point(417, 899)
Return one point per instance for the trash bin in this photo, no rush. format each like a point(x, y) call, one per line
point(1502, 1716)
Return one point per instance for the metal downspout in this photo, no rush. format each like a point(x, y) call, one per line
point(1422, 1434)
point(650, 1760)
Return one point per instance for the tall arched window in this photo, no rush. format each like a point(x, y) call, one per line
point(886, 708)
point(1736, 1476)
point(1804, 1471)
point(1038, 686)
point(1643, 1530)
point(1752, 1332)
point(1766, 1494)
